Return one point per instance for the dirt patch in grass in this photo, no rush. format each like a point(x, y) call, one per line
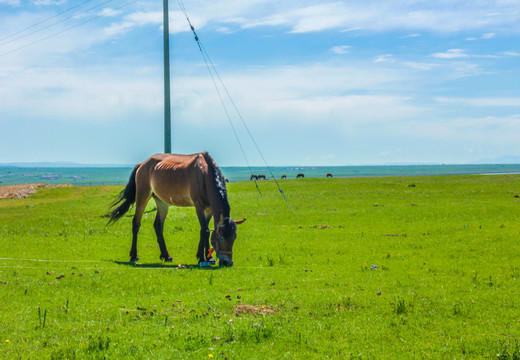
point(255, 309)
point(23, 191)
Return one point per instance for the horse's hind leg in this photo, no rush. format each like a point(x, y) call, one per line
point(162, 212)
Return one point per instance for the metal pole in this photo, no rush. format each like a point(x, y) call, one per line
point(167, 111)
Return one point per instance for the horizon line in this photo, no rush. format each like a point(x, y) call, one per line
point(67, 164)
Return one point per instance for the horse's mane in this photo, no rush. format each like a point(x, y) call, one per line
point(218, 181)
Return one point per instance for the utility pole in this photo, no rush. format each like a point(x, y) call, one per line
point(167, 110)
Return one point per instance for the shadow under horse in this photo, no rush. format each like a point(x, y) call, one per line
point(181, 180)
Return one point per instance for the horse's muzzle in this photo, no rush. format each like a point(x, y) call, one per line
point(225, 261)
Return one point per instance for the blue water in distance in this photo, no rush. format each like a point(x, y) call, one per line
point(10, 175)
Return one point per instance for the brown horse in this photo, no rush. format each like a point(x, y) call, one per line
point(181, 180)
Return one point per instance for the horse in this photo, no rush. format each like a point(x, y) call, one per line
point(329, 175)
point(300, 176)
point(253, 176)
point(284, 177)
point(260, 177)
point(181, 180)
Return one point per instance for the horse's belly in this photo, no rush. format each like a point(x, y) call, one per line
point(174, 194)
point(179, 201)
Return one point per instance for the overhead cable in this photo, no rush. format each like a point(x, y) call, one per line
point(67, 29)
point(39, 23)
point(212, 69)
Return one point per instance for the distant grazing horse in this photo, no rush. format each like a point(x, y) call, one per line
point(299, 176)
point(181, 180)
point(260, 177)
point(329, 175)
point(284, 177)
point(253, 176)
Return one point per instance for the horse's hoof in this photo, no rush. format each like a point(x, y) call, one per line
point(166, 259)
point(134, 259)
point(209, 261)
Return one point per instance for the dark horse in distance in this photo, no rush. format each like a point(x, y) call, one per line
point(181, 180)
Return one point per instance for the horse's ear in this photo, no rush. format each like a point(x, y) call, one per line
point(238, 222)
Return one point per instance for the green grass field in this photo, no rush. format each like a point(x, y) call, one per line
point(304, 284)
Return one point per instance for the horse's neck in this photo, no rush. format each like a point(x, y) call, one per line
point(220, 209)
point(216, 191)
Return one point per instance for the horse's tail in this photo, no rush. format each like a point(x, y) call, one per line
point(124, 199)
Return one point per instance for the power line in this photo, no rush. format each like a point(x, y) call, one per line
point(54, 23)
point(210, 66)
point(57, 22)
point(67, 29)
point(41, 22)
point(206, 58)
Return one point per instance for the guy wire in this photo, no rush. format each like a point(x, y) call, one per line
point(206, 58)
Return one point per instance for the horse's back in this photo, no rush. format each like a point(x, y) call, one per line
point(171, 177)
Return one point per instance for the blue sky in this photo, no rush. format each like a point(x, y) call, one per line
point(317, 82)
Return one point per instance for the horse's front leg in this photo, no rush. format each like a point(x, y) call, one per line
point(162, 212)
point(203, 249)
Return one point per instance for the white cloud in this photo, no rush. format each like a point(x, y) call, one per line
point(383, 58)
point(484, 128)
point(109, 12)
point(273, 20)
point(48, 2)
point(140, 18)
point(305, 95)
point(485, 36)
point(224, 30)
point(444, 16)
point(480, 102)
point(319, 17)
point(420, 65)
point(311, 94)
point(351, 29)
point(489, 36)
point(340, 49)
point(460, 53)
point(462, 139)
point(511, 53)
point(118, 28)
point(78, 95)
point(312, 16)
point(143, 18)
point(451, 54)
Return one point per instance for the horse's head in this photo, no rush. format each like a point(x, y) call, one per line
point(223, 239)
